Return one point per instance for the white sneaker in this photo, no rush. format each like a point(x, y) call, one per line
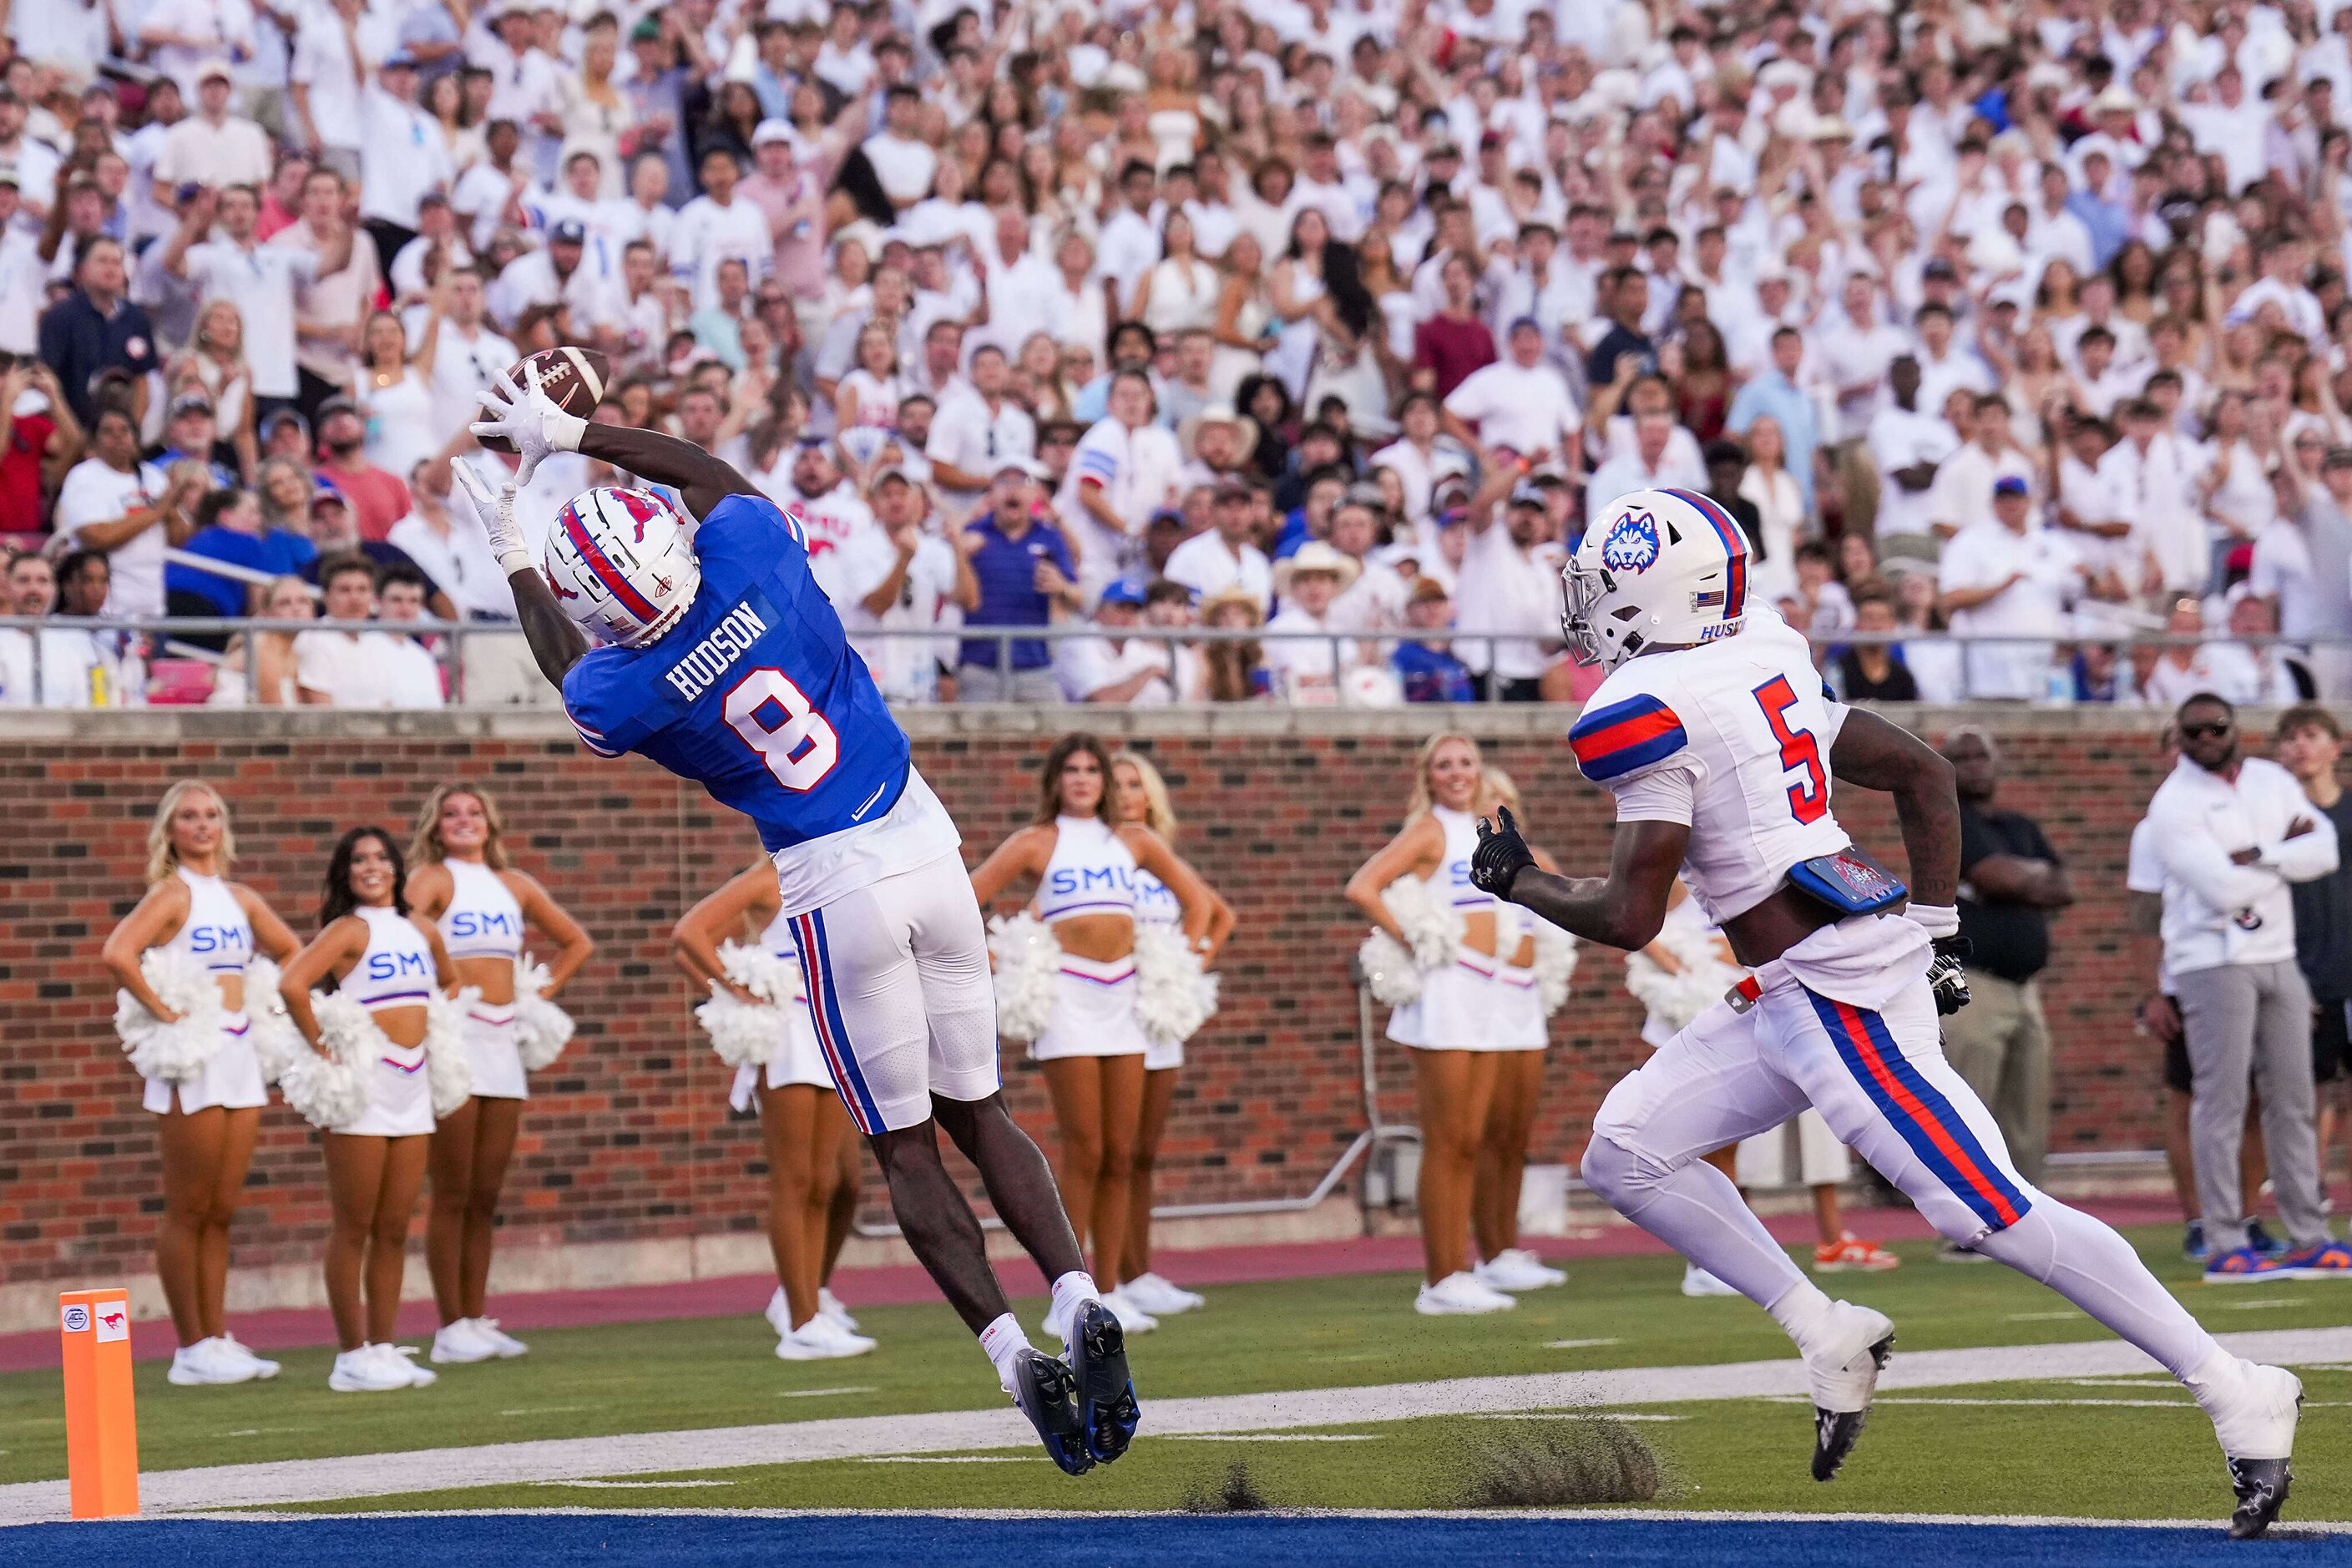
point(1130, 1312)
point(821, 1339)
point(1459, 1294)
point(459, 1342)
point(779, 1312)
point(503, 1346)
point(829, 1305)
point(401, 1358)
point(1517, 1268)
point(366, 1371)
point(1697, 1281)
point(204, 1363)
point(1842, 1365)
point(264, 1370)
point(1162, 1298)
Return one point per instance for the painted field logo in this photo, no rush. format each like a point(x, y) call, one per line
point(1632, 544)
point(77, 1319)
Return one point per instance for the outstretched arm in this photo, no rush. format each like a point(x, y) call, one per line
point(527, 417)
point(1875, 755)
point(1622, 909)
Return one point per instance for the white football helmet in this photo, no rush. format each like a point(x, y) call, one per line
point(621, 563)
point(1660, 567)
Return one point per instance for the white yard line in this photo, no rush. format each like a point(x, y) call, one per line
point(848, 1438)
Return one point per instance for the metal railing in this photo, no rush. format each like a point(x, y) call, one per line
point(1342, 648)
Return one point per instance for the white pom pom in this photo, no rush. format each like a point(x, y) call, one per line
point(277, 1043)
point(1028, 958)
point(542, 1028)
point(177, 1052)
point(1555, 964)
point(744, 1033)
point(449, 1071)
point(1674, 1000)
point(1433, 930)
point(1173, 999)
point(762, 973)
point(331, 1091)
point(1389, 970)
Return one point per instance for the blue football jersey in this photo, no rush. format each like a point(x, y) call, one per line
point(756, 695)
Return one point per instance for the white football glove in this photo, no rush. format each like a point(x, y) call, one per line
point(528, 418)
point(496, 511)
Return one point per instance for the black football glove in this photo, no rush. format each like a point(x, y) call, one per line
point(1947, 977)
point(1501, 855)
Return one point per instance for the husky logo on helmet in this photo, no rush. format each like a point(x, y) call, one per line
point(1632, 544)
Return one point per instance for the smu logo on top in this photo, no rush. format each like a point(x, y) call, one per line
point(204, 941)
point(476, 925)
point(398, 965)
point(1073, 881)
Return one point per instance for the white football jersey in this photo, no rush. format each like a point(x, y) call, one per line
point(1732, 738)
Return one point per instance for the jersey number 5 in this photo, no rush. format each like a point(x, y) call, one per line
point(799, 750)
point(1809, 801)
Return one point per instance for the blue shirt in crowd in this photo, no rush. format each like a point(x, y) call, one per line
point(1007, 570)
point(278, 552)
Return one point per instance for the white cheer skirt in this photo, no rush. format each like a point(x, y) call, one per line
point(231, 1077)
point(1094, 1012)
point(797, 1057)
point(400, 1094)
point(493, 1049)
point(1461, 1008)
point(1519, 1010)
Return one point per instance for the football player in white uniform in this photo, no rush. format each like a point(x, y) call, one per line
point(1718, 740)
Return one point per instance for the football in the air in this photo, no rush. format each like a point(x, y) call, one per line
point(574, 379)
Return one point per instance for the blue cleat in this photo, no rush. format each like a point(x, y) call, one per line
point(2263, 1241)
point(2243, 1265)
point(1047, 1393)
point(2329, 1260)
point(1097, 1356)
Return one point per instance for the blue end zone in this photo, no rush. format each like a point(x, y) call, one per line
point(718, 1540)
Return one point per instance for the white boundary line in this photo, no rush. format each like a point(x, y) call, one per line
point(356, 1475)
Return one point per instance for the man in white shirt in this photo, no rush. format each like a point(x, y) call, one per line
point(411, 675)
point(835, 516)
point(212, 146)
point(404, 157)
point(717, 227)
point(1225, 556)
point(185, 38)
point(525, 83)
point(469, 356)
point(332, 60)
point(1124, 468)
point(1375, 601)
point(2152, 471)
point(1021, 285)
point(1520, 402)
point(354, 664)
point(1306, 665)
point(1908, 442)
point(128, 510)
point(2003, 578)
point(2233, 832)
point(1115, 667)
point(974, 427)
point(902, 579)
point(1129, 245)
point(215, 250)
point(1646, 466)
point(1961, 497)
point(552, 273)
point(1854, 355)
point(1509, 582)
point(47, 667)
point(903, 163)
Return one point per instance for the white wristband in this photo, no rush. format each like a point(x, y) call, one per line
point(515, 558)
point(564, 431)
point(1935, 920)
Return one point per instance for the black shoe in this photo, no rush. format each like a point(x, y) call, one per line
point(1835, 1431)
point(2263, 1241)
point(2261, 1487)
point(1096, 1348)
point(1047, 1393)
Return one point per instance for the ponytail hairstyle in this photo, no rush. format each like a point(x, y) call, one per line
point(1158, 815)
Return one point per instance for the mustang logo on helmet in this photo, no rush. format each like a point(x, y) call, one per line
point(1632, 544)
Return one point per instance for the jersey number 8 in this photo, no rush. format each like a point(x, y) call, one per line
point(1808, 800)
point(799, 752)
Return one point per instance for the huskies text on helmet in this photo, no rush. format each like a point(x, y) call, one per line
point(1660, 568)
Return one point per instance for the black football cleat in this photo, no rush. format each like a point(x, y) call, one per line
point(1843, 1388)
point(2261, 1488)
point(1047, 1393)
point(1097, 1348)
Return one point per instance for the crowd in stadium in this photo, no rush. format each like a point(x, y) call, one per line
point(1334, 320)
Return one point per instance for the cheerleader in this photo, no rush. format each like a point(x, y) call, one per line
point(1140, 796)
point(1520, 1044)
point(372, 950)
point(1084, 865)
point(813, 1174)
point(208, 928)
point(1454, 1028)
point(1685, 970)
point(465, 885)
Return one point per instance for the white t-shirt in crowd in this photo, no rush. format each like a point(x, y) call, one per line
point(368, 668)
point(1526, 408)
point(1208, 566)
point(93, 492)
point(1985, 554)
point(1503, 588)
point(907, 668)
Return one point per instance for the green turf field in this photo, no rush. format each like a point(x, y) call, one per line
point(2124, 1447)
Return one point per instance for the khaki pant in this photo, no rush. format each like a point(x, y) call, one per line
point(1857, 479)
point(500, 671)
point(2000, 1044)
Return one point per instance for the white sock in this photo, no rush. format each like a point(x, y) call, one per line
point(1005, 1341)
point(1072, 1289)
point(2091, 1266)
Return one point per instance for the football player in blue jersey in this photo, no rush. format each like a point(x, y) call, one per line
point(717, 656)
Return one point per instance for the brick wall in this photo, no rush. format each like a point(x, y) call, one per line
point(629, 1138)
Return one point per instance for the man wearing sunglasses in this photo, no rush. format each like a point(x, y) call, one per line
point(2233, 832)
